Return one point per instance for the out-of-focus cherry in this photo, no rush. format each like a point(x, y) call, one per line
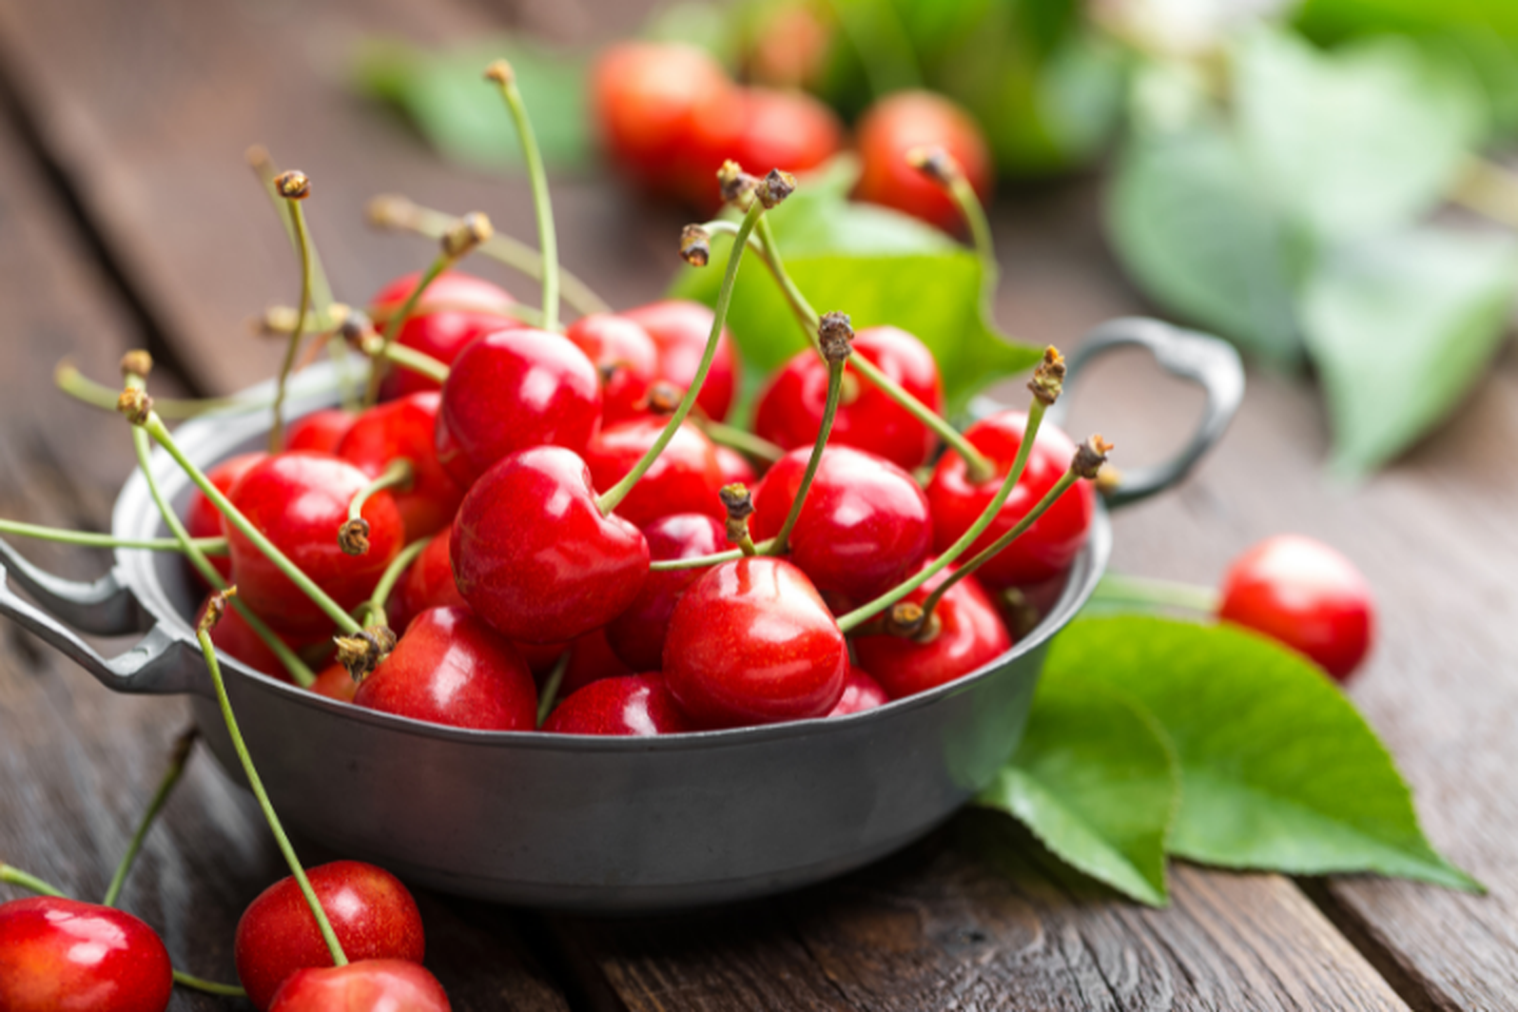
point(905, 120)
point(455, 309)
point(679, 329)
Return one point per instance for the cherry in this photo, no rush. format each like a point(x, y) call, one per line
point(203, 520)
point(60, 955)
point(790, 47)
point(319, 431)
point(637, 635)
point(788, 130)
point(626, 705)
point(860, 692)
point(512, 390)
point(1304, 594)
point(751, 642)
point(299, 501)
point(371, 984)
point(372, 914)
point(334, 682)
point(906, 120)
point(679, 329)
point(450, 668)
point(963, 634)
point(790, 409)
point(472, 310)
point(624, 355)
point(403, 429)
point(235, 638)
point(426, 583)
point(1048, 547)
point(864, 524)
point(735, 468)
point(684, 479)
point(535, 557)
point(591, 659)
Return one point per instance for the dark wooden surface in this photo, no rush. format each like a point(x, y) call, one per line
point(127, 216)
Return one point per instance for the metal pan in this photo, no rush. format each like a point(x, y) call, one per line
point(585, 823)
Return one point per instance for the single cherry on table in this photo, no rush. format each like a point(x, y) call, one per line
point(60, 955)
point(372, 985)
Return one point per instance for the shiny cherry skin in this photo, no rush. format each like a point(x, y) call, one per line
point(334, 682)
point(790, 409)
point(60, 955)
point(378, 985)
point(860, 692)
point(624, 355)
point(591, 659)
point(751, 642)
point(513, 390)
point(902, 121)
point(319, 431)
point(451, 668)
point(535, 557)
point(970, 634)
point(1302, 593)
point(469, 308)
point(685, 478)
point(372, 913)
point(203, 520)
point(637, 635)
point(864, 524)
point(638, 705)
point(1048, 547)
point(735, 467)
point(679, 329)
point(403, 429)
point(299, 500)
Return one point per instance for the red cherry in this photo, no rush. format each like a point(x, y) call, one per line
point(299, 501)
point(372, 914)
point(864, 525)
point(513, 390)
point(626, 705)
point(403, 428)
point(761, 129)
point(533, 554)
point(751, 642)
point(906, 120)
point(790, 409)
point(735, 467)
point(334, 682)
point(624, 355)
point(970, 635)
point(591, 659)
point(680, 329)
point(637, 635)
point(203, 520)
point(1048, 547)
point(60, 955)
point(450, 668)
point(860, 692)
point(472, 310)
point(234, 637)
point(320, 431)
point(377, 985)
point(1306, 595)
point(685, 478)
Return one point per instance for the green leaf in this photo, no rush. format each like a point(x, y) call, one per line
point(1401, 328)
point(1188, 222)
point(462, 115)
point(1096, 781)
point(1357, 141)
point(1337, 18)
point(1278, 769)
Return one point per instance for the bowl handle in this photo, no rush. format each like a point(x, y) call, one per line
point(158, 663)
point(1207, 361)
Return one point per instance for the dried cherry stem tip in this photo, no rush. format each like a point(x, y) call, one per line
point(362, 652)
point(740, 506)
point(353, 535)
point(835, 337)
point(501, 74)
point(695, 245)
point(178, 757)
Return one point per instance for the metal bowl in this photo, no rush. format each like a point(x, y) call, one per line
point(576, 822)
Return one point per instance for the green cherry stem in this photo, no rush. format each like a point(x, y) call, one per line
point(829, 410)
point(1117, 589)
point(396, 322)
point(15, 876)
point(551, 687)
point(373, 610)
point(501, 73)
point(177, 759)
point(294, 187)
point(208, 650)
point(740, 440)
point(610, 499)
point(397, 474)
point(208, 986)
point(374, 346)
point(89, 539)
point(764, 547)
point(263, 166)
point(71, 381)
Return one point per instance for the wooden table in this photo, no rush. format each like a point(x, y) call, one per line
point(128, 219)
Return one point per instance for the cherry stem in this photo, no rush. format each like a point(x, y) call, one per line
point(297, 668)
point(501, 73)
point(740, 440)
point(154, 427)
point(505, 310)
point(203, 634)
point(979, 467)
point(80, 387)
point(551, 687)
point(401, 213)
point(610, 499)
point(407, 358)
point(717, 558)
point(868, 611)
point(263, 166)
point(374, 608)
point(89, 539)
point(1143, 591)
point(177, 759)
point(393, 327)
point(303, 244)
point(829, 410)
point(208, 986)
point(397, 474)
point(16, 877)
